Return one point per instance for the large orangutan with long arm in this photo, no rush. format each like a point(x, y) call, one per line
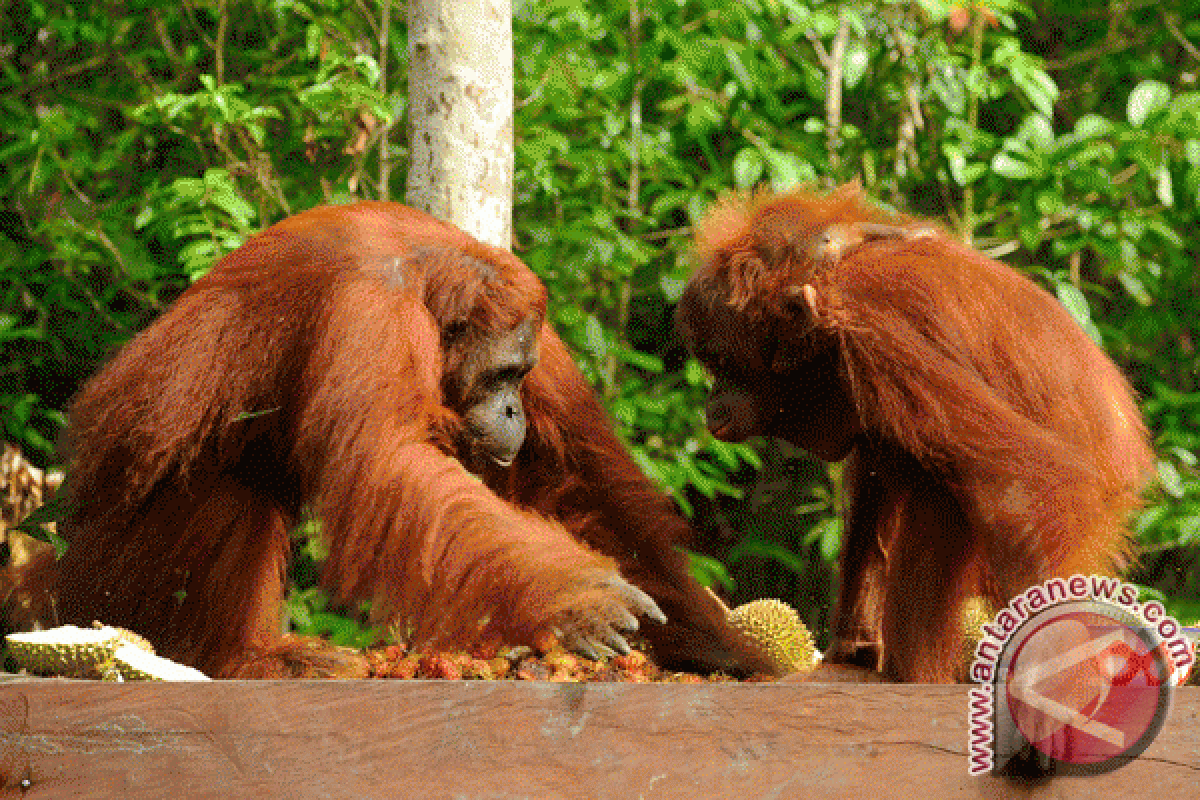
point(989, 443)
point(395, 378)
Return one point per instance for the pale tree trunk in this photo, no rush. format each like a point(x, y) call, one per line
point(460, 90)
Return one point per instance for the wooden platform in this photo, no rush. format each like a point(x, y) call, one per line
point(498, 740)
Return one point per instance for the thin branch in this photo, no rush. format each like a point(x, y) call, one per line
point(64, 168)
point(1098, 53)
point(833, 98)
point(112, 248)
point(652, 236)
point(819, 48)
point(1001, 250)
point(190, 11)
point(66, 72)
point(912, 119)
point(164, 40)
point(968, 213)
point(222, 34)
point(365, 15)
point(633, 200)
point(385, 160)
point(259, 163)
point(1173, 29)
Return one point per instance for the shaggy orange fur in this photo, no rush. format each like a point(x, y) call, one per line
point(308, 371)
point(990, 443)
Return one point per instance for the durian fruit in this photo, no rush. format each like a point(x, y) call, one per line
point(129, 637)
point(67, 651)
point(976, 612)
point(101, 651)
point(133, 663)
point(777, 629)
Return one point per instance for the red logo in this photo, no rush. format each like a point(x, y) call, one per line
point(1087, 688)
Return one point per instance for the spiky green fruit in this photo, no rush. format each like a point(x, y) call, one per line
point(129, 637)
point(133, 663)
point(976, 612)
point(67, 651)
point(776, 628)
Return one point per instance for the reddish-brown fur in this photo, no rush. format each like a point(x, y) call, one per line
point(305, 371)
point(991, 444)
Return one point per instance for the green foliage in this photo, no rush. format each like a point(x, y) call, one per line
point(309, 615)
point(956, 117)
point(143, 141)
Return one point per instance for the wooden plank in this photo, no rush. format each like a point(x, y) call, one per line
point(498, 740)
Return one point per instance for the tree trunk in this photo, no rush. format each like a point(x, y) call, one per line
point(460, 114)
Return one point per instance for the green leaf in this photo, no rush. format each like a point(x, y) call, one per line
point(1049, 202)
point(643, 361)
point(972, 173)
point(1037, 131)
point(1006, 166)
point(828, 533)
point(694, 373)
point(313, 35)
point(1135, 288)
point(1077, 305)
point(1037, 85)
point(825, 23)
point(1146, 98)
point(368, 67)
point(732, 454)
point(593, 334)
point(709, 571)
point(648, 465)
point(856, 62)
point(734, 58)
point(623, 411)
point(756, 548)
point(1171, 480)
point(748, 167)
point(948, 84)
point(1191, 152)
point(1074, 300)
point(671, 287)
point(1162, 186)
point(1091, 126)
point(787, 170)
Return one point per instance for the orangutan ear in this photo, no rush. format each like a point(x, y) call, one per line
point(803, 303)
point(801, 310)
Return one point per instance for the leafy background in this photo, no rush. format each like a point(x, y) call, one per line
point(144, 139)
